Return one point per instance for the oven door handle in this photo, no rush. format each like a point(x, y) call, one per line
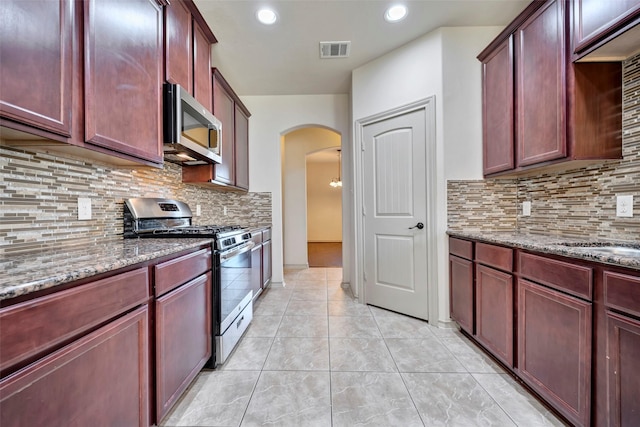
point(224, 256)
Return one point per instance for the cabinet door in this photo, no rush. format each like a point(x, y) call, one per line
point(494, 312)
point(123, 77)
point(461, 292)
point(37, 63)
point(540, 86)
point(256, 270)
point(623, 356)
point(242, 148)
point(202, 68)
point(266, 263)
point(497, 109)
point(102, 379)
point(179, 45)
point(594, 19)
point(554, 348)
point(224, 109)
point(183, 339)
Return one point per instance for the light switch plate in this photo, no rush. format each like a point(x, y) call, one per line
point(84, 208)
point(526, 208)
point(198, 210)
point(624, 206)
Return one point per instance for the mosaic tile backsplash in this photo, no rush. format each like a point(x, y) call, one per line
point(572, 203)
point(39, 192)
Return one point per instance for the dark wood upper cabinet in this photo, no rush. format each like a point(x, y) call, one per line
point(202, 68)
point(224, 110)
point(597, 21)
point(178, 45)
point(540, 73)
point(233, 172)
point(498, 104)
point(187, 47)
point(241, 132)
point(560, 111)
point(36, 54)
point(123, 77)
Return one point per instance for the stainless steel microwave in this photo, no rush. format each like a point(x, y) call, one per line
point(192, 135)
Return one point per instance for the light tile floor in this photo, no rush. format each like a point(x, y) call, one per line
point(313, 356)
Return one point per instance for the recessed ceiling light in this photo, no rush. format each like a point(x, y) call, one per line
point(266, 16)
point(395, 13)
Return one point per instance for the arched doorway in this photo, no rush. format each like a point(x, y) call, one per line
point(295, 146)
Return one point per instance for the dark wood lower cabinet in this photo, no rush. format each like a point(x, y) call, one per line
point(554, 348)
point(256, 270)
point(101, 379)
point(266, 262)
point(461, 292)
point(183, 339)
point(494, 312)
point(623, 357)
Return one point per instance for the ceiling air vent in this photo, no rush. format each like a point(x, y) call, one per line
point(335, 49)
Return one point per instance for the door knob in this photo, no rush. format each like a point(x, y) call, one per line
point(419, 226)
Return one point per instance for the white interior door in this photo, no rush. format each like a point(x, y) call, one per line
point(394, 214)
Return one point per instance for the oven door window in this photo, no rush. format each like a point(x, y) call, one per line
point(235, 284)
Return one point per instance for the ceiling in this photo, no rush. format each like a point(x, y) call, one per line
point(284, 59)
point(328, 155)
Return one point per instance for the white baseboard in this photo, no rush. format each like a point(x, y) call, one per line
point(296, 266)
point(324, 241)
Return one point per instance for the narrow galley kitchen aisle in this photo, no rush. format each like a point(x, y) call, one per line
point(314, 356)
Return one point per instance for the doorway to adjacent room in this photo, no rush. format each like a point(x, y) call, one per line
point(324, 208)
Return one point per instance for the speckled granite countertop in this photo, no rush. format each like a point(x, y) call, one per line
point(42, 269)
point(557, 245)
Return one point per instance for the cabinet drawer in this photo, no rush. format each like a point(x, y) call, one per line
point(32, 328)
point(266, 234)
point(461, 248)
point(573, 279)
point(173, 273)
point(495, 256)
point(622, 292)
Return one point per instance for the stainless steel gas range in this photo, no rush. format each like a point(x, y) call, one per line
point(232, 294)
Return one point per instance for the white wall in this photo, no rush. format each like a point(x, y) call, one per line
point(324, 203)
point(297, 145)
point(272, 117)
point(441, 64)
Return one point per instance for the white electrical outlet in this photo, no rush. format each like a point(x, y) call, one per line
point(624, 206)
point(224, 210)
point(526, 208)
point(84, 208)
point(198, 210)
